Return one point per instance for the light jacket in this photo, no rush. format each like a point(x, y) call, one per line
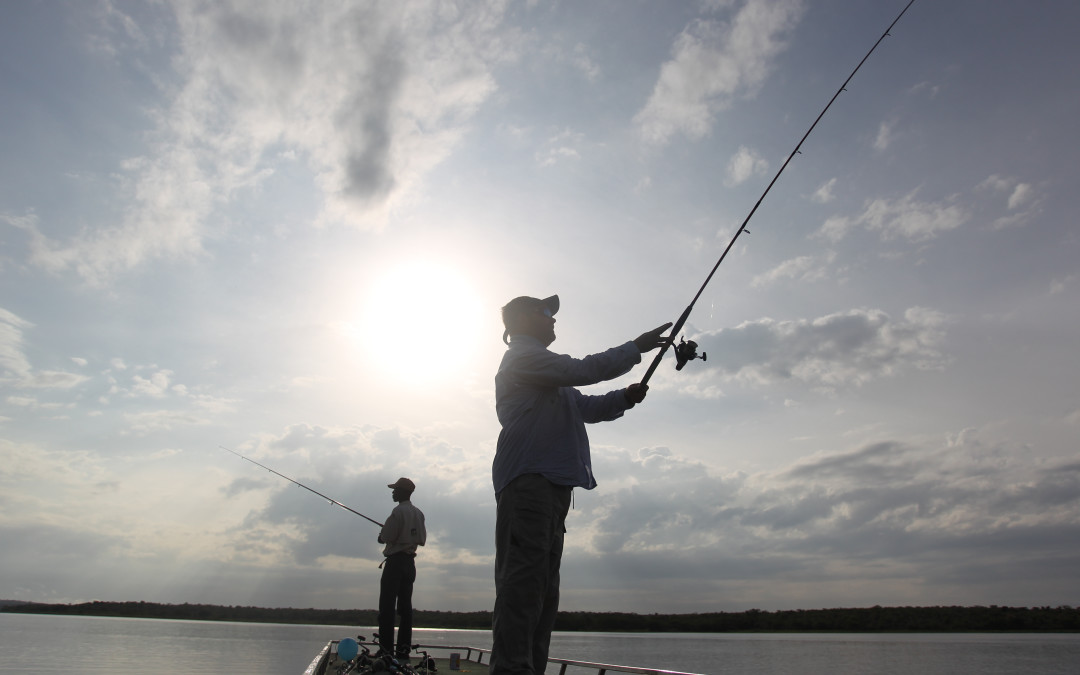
point(404, 530)
point(543, 416)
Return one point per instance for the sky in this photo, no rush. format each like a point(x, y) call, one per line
point(286, 229)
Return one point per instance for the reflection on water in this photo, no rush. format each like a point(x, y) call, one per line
point(46, 644)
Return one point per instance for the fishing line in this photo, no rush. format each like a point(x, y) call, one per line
point(687, 351)
point(332, 501)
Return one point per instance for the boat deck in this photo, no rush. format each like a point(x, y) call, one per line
point(471, 660)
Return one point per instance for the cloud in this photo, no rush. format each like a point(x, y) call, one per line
point(141, 423)
point(910, 219)
point(711, 62)
point(836, 351)
point(15, 367)
point(1023, 201)
point(917, 221)
point(932, 90)
point(898, 514)
point(1058, 286)
point(802, 269)
point(354, 465)
point(824, 194)
point(836, 228)
point(562, 146)
point(577, 57)
point(371, 95)
point(13, 362)
point(967, 487)
point(744, 164)
point(902, 218)
point(995, 182)
point(156, 386)
point(884, 136)
point(1021, 194)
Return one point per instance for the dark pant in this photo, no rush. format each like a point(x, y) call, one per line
point(529, 528)
point(395, 591)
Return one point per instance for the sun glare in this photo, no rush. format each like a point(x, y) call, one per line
point(420, 323)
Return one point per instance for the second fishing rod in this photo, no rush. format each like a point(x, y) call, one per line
point(296, 482)
point(687, 350)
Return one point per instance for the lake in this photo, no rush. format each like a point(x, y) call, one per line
point(73, 645)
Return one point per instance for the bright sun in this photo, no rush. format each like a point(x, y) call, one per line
point(420, 322)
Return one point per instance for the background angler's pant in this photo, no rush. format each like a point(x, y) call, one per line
point(395, 590)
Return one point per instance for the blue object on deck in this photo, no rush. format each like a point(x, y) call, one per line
point(347, 649)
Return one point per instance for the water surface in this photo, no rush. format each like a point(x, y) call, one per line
point(49, 644)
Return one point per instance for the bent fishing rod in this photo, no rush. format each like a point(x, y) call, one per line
point(332, 501)
point(687, 350)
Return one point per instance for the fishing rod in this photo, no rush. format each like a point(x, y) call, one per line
point(686, 350)
point(332, 501)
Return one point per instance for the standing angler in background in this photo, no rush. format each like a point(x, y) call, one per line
point(403, 532)
point(542, 454)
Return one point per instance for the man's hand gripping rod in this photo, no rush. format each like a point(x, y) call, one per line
point(688, 353)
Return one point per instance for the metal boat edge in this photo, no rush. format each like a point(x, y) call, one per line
point(475, 655)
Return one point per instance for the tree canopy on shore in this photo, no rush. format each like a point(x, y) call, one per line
point(847, 620)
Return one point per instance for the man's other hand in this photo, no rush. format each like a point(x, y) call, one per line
point(646, 342)
point(635, 393)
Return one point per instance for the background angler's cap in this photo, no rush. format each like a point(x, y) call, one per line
point(404, 484)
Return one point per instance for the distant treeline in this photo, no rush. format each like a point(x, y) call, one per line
point(849, 620)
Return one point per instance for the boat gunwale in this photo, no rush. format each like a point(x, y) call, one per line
point(600, 668)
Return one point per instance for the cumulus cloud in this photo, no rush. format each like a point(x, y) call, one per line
point(965, 486)
point(903, 218)
point(711, 62)
point(371, 95)
point(744, 164)
point(910, 219)
point(1022, 202)
point(840, 350)
point(901, 514)
point(835, 228)
point(155, 386)
point(354, 465)
point(898, 514)
point(653, 489)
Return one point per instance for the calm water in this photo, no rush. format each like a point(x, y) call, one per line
point(76, 645)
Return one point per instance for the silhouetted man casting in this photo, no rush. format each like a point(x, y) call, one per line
point(542, 453)
point(403, 532)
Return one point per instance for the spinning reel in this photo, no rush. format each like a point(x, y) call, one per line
point(686, 351)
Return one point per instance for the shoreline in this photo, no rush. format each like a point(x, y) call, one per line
point(977, 619)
